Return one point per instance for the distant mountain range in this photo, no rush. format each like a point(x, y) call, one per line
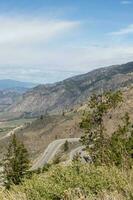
point(17, 86)
point(54, 98)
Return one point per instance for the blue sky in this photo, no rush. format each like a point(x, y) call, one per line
point(49, 40)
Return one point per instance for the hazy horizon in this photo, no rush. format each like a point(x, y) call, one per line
point(63, 75)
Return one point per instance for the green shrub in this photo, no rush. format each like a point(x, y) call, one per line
point(88, 179)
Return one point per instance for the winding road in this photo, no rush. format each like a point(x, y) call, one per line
point(50, 152)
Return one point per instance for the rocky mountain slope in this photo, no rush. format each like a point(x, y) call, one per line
point(11, 90)
point(7, 98)
point(64, 95)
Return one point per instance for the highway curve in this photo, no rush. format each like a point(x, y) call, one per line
point(50, 152)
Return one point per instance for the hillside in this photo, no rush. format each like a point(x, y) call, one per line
point(10, 91)
point(38, 134)
point(7, 98)
point(76, 180)
point(54, 98)
point(94, 180)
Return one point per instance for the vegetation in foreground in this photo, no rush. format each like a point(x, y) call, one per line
point(75, 182)
point(110, 176)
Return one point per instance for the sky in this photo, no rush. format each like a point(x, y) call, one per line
point(45, 41)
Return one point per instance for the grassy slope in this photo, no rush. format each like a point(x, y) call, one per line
point(74, 183)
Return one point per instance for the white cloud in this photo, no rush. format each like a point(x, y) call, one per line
point(57, 64)
point(126, 2)
point(31, 50)
point(23, 31)
point(125, 31)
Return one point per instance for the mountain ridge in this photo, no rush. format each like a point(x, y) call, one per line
point(7, 84)
point(63, 95)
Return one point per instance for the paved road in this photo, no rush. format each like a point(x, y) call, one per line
point(50, 152)
point(75, 151)
point(11, 132)
point(72, 153)
point(83, 155)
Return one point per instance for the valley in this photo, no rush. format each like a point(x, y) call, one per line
point(6, 126)
point(64, 108)
point(47, 118)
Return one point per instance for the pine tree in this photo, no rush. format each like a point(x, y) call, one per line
point(94, 138)
point(66, 146)
point(114, 150)
point(16, 163)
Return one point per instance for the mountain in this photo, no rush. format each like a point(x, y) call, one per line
point(54, 98)
point(7, 84)
point(11, 90)
point(7, 98)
